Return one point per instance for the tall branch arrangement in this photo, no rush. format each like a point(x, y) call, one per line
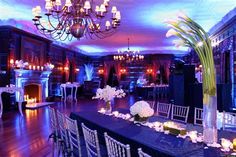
point(192, 35)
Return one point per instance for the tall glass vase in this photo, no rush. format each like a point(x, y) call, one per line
point(209, 119)
point(108, 107)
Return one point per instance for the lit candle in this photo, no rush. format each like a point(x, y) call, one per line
point(128, 116)
point(193, 136)
point(34, 67)
point(38, 67)
point(234, 144)
point(42, 68)
point(115, 113)
point(11, 61)
point(102, 110)
point(30, 67)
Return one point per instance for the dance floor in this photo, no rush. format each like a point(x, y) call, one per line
point(28, 136)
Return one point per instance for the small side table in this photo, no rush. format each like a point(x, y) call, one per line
point(71, 86)
point(12, 90)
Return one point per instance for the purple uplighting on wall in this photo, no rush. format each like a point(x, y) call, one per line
point(142, 22)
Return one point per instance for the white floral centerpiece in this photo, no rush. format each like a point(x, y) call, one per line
point(141, 111)
point(21, 64)
point(49, 66)
point(107, 94)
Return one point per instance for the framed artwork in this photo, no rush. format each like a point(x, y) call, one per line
point(33, 51)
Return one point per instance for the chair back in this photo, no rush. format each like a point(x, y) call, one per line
point(53, 121)
point(116, 148)
point(179, 113)
point(229, 121)
point(142, 154)
point(163, 110)
point(63, 128)
point(198, 116)
point(74, 138)
point(151, 103)
point(91, 141)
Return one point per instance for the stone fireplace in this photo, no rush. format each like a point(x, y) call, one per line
point(34, 82)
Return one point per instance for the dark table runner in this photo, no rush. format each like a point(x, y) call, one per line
point(154, 143)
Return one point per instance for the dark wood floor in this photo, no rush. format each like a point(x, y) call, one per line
point(28, 136)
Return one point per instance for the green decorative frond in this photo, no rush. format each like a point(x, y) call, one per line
point(195, 37)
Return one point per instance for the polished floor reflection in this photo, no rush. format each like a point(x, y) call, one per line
point(28, 135)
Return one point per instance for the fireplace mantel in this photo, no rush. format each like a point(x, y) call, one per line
point(25, 77)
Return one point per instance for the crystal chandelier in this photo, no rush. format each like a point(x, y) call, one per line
point(128, 55)
point(76, 18)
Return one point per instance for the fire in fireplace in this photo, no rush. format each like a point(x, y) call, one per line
point(33, 93)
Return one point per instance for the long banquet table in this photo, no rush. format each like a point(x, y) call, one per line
point(154, 143)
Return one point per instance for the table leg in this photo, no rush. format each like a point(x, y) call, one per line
point(65, 94)
point(62, 93)
point(20, 108)
point(1, 107)
point(76, 94)
point(72, 95)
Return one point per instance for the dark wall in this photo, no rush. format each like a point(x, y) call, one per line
point(17, 44)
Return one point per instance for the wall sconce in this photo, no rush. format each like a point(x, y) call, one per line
point(100, 71)
point(60, 68)
point(77, 70)
point(11, 61)
point(123, 71)
point(66, 68)
point(149, 70)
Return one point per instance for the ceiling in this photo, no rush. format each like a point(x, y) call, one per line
point(142, 22)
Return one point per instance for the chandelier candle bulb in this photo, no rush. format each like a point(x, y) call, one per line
point(34, 12)
point(106, 3)
point(118, 16)
point(87, 6)
point(38, 10)
point(108, 24)
point(102, 9)
point(113, 10)
point(68, 3)
point(97, 9)
point(58, 2)
point(75, 19)
point(48, 6)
